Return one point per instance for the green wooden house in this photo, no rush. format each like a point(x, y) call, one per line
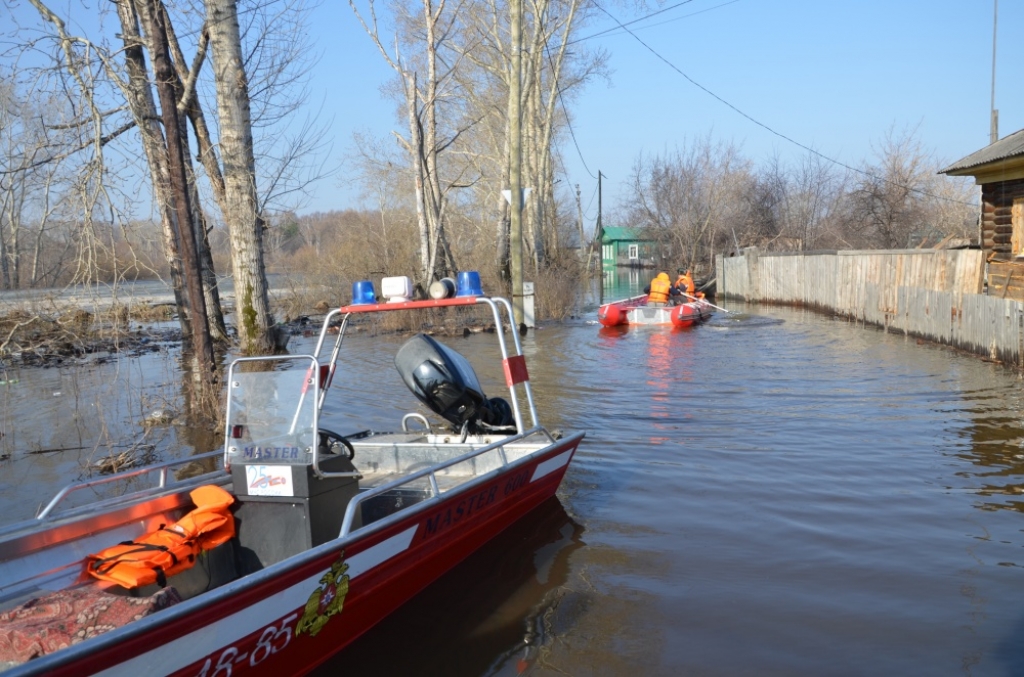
point(625, 247)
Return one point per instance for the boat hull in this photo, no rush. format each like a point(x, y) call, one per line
point(637, 312)
point(290, 617)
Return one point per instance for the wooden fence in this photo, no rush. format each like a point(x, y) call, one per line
point(931, 294)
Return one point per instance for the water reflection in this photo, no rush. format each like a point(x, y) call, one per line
point(995, 448)
point(668, 361)
point(486, 616)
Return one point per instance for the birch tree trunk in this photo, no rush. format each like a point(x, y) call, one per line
point(415, 148)
point(245, 225)
point(139, 95)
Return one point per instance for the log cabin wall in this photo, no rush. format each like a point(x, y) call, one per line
point(997, 218)
point(1002, 237)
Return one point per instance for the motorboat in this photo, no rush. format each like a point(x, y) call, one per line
point(318, 535)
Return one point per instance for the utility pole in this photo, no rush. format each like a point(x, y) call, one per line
point(515, 166)
point(994, 133)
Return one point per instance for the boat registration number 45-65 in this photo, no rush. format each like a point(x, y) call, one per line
point(272, 639)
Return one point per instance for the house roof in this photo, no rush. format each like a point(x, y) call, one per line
point(1006, 148)
point(620, 233)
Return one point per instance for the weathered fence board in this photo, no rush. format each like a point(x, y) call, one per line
point(931, 294)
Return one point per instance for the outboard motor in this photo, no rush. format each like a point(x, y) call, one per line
point(444, 380)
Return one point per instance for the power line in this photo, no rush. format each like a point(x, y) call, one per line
point(766, 127)
point(586, 212)
point(565, 112)
point(628, 23)
point(660, 23)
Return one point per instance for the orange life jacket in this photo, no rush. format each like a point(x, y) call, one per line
point(169, 549)
point(685, 284)
point(659, 290)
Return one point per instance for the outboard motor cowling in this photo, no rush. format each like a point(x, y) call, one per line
point(444, 380)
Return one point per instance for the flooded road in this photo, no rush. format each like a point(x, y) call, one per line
point(772, 493)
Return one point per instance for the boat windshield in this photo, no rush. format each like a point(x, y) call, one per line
point(272, 410)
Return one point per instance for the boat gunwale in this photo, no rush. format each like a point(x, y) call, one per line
point(366, 495)
point(114, 504)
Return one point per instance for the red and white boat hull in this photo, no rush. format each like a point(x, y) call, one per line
point(635, 311)
point(290, 617)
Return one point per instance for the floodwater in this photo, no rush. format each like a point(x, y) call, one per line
point(774, 492)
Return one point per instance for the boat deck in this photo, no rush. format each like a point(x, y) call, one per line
point(385, 457)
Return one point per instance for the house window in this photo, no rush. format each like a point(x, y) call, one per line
point(634, 252)
point(1017, 239)
point(606, 252)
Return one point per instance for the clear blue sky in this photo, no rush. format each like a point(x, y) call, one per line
point(834, 76)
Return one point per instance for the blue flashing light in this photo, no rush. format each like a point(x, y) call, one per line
point(362, 293)
point(469, 284)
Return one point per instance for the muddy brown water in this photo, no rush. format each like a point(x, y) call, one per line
point(772, 493)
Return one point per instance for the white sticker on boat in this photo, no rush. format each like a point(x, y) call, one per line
point(188, 649)
point(551, 465)
point(269, 480)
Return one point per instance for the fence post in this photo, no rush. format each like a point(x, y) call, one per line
point(720, 275)
point(753, 274)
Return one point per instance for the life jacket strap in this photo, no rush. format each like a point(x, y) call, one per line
point(104, 565)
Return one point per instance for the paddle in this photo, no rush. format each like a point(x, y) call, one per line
point(705, 301)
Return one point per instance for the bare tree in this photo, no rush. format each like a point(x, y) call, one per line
point(691, 199)
point(181, 194)
point(242, 212)
point(888, 196)
point(232, 175)
point(92, 75)
point(552, 75)
point(422, 47)
point(812, 209)
point(33, 191)
point(139, 95)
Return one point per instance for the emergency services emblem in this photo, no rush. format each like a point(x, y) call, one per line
point(326, 600)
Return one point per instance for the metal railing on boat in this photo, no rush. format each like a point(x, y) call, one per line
point(513, 365)
point(161, 468)
point(431, 474)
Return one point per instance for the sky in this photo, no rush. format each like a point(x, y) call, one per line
point(772, 77)
point(832, 76)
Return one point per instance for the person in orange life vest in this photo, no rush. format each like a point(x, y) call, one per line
point(659, 290)
point(686, 285)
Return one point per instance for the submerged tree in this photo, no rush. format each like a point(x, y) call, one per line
point(241, 205)
point(112, 93)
